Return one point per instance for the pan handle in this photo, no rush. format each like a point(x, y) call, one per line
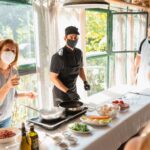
point(32, 108)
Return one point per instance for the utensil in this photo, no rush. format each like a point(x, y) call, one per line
point(71, 106)
point(75, 106)
point(52, 114)
point(137, 93)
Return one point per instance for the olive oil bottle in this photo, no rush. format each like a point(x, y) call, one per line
point(34, 138)
point(25, 140)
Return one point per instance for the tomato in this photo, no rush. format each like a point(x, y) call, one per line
point(115, 101)
point(121, 102)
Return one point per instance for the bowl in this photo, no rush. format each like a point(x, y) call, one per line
point(108, 110)
point(124, 107)
point(8, 134)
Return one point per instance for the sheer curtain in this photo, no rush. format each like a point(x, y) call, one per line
point(51, 19)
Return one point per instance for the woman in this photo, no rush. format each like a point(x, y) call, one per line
point(139, 143)
point(9, 79)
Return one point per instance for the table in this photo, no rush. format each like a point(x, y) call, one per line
point(110, 137)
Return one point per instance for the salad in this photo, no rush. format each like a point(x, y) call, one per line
point(79, 127)
point(96, 120)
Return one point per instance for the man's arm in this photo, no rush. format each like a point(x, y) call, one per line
point(82, 74)
point(137, 62)
point(57, 82)
point(135, 68)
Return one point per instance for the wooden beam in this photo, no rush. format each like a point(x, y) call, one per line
point(130, 5)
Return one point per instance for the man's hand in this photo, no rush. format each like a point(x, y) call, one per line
point(86, 86)
point(13, 81)
point(73, 95)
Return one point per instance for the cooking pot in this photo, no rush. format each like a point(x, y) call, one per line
point(53, 114)
point(72, 106)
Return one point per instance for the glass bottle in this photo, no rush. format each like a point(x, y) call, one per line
point(34, 138)
point(25, 140)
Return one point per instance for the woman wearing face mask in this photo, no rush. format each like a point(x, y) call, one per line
point(65, 67)
point(9, 79)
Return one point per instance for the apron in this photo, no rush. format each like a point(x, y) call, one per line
point(143, 80)
point(68, 77)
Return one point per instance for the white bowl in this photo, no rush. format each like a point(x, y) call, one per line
point(9, 139)
point(108, 110)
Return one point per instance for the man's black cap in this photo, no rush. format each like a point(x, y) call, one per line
point(71, 30)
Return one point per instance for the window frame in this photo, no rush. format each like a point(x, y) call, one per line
point(109, 52)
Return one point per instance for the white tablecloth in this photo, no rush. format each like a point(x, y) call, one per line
point(110, 137)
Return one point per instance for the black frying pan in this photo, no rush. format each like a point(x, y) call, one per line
point(72, 106)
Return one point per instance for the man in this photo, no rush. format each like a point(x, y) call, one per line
point(65, 67)
point(142, 63)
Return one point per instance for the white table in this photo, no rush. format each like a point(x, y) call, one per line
point(110, 137)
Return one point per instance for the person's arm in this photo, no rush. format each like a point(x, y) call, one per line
point(11, 83)
point(137, 62)
point(54, 78)
point(135, 68)
point(31, 95)
point(82, 74)
point(83, 77)
point(133, 144)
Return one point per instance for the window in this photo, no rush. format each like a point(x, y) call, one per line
point(112, 39)
point(96, 48)
point(16, 22)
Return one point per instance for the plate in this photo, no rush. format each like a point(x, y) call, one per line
point(8, 134)
point(79, 128)
point(94, 122)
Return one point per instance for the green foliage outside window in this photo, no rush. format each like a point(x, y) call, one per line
point(96, 31)
point(96, 41)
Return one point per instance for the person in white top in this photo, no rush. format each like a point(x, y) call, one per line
point(141, 67)
point(9, 79)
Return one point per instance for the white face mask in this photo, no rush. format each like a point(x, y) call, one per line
point(8, 57)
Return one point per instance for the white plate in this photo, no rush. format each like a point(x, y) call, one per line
point(87, 132)
point(10, 139)
point(94, 123)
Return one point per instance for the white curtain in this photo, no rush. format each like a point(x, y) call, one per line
point(51, 19)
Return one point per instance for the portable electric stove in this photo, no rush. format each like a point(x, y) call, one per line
point(53, 124)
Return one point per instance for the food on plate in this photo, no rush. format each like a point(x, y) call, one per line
point(6, 134)
point(79, 127)
point(96, 120)
point(108, 110)
point(123, 106)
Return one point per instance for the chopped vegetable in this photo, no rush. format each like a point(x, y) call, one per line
point(80, 127)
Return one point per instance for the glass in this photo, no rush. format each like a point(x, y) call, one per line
point(97, 74)
point(128, 31)
point(96, 31)
point(17, 24)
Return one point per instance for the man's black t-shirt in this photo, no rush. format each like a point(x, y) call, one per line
point(66, 63)
point(66, 57)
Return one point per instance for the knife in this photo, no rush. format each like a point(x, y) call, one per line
point(137, 93)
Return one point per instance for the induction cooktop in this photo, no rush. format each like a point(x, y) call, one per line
point(53, 124)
